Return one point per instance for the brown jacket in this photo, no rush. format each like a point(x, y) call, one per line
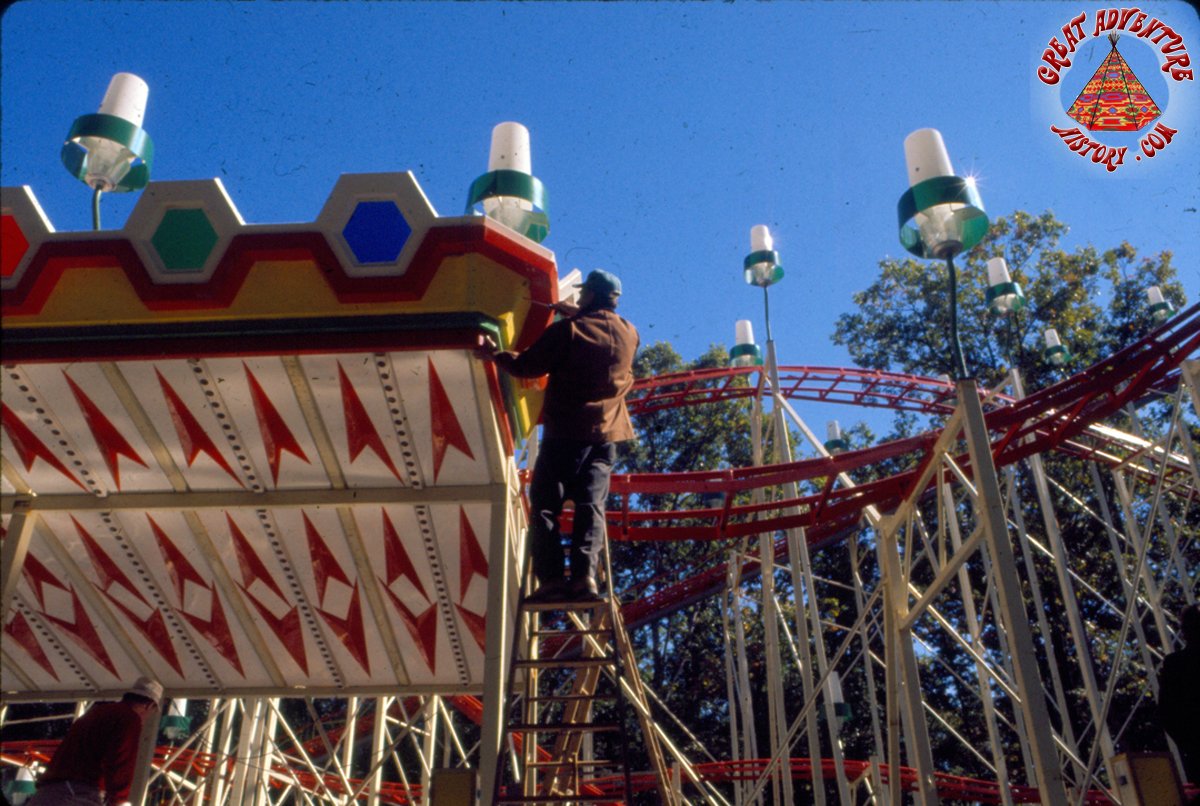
point(589, 359)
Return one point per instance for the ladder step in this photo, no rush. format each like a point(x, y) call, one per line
point(571, 697)
point(570, 633)
point(582, 727)
point(560, 799)
point(566, 663)
point(544, 606)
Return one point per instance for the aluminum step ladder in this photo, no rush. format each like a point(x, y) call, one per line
point(572, 657)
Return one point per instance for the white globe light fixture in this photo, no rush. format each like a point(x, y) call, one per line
point(745, 352)
point(176, 724)
point(762, 264)
point(833, 689)
point(940, 215)
point(1003, 295)
point(834, 441)
point(109, 151)
point(1055, 353)
point(22, 787)
point(1160, 309)
point(509, 192)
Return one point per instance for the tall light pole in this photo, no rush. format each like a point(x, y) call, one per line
point(941, 215)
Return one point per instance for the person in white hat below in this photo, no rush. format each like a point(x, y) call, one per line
point(95, 763)
point(589, 358)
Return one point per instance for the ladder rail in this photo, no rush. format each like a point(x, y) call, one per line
point(597, 649)
point(628, 668)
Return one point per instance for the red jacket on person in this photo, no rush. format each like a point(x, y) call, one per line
point(100, 750)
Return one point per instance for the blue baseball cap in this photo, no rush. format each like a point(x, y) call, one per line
point(602, 283)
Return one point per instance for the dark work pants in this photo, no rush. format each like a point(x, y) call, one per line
point(578, 471)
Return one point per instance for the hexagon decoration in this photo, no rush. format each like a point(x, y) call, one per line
point(23, 227)
point(375, 222)
point(376, 232)
point(184, 240)
point(182, 229)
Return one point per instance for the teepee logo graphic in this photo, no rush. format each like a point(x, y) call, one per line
point(1114, 100)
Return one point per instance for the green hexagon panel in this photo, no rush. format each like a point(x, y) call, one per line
point(184, 239)
point(181, 229)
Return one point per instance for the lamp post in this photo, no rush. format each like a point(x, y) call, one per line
point(834, 441)
point(761, 266)
point(176, 724)
point(941, 215)
point(1004, 299)
point(509, 192)
point(745, 352)
point(1055, 353)
point(1160, 309)
point(110, 151)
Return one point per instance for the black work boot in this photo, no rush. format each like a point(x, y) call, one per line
point(585, 589)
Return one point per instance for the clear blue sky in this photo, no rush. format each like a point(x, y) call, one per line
point(663, 131)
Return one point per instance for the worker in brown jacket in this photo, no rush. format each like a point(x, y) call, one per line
point(588, 356)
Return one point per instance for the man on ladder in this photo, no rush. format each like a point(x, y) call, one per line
point(588, 356)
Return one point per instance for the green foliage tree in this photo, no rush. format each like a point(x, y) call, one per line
point(1096, 299)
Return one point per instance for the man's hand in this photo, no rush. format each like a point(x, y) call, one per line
point(565, 308)
point(485, 348)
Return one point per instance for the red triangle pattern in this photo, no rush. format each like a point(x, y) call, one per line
point(110, 441)
point(287, 628)
point(154, 626)
point(277, 437)
point(192, 436)
point(80, 628)
point(422, 627)
point(447, 432)
point(397, 562)
point(476, 624)
point(360, 431)
point(350, 630)
point(471, 562)
point(20, 631)
point(215, 629)
point(29, 447)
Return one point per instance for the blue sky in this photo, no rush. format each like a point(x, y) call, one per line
point(662, 131)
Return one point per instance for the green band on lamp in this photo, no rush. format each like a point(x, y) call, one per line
point(762, 256)
point(516, 184)
point(1056, 355)
point(1161, 311)
point(132, 138)
point(950, 190)
point(744, 351)
point(758, 277)
point(1006, 290)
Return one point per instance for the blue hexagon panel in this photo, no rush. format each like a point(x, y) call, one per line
point(376, 232)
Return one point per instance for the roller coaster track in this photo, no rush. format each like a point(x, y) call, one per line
point(1066, 417)
point(198, 766)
